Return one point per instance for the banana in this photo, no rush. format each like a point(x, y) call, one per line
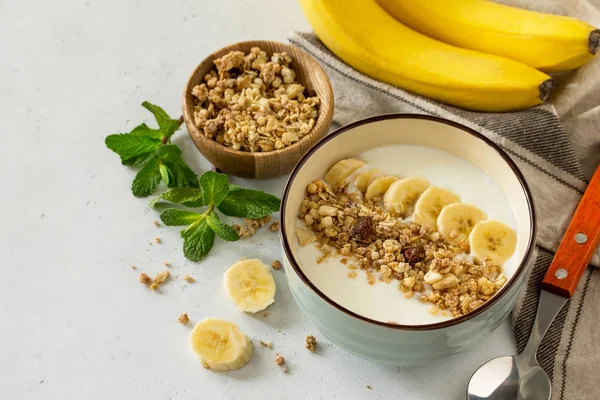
point(363, 35)
point(456, 221)
point(379, 186)
point(430, 204)
point(220, 345)
point(341, 170)
point(494, 240)
point(250, 285)
point(403, 193)
point(362, 180)
point(548, 42)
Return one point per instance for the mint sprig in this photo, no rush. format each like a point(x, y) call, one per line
point(214, 192)
point(152, 151)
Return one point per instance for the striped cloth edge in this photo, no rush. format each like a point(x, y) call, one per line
point(537, 142)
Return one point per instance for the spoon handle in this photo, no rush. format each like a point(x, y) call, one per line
point(578, 244)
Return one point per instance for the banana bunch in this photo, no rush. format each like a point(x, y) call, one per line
point(429, 205)
point(472, 54)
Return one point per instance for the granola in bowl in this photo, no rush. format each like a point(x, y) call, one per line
point(253, 102)
point(404, 232)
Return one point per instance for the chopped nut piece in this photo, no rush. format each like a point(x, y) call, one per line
point(157, 240)
point(279, 360)
point(305, 237)
point(183, 318)
point(161, 277)
point(274, 226)
point(145, 279)
point(276, 265)
point(268, 345)
point(189, 279)
point(311, 343)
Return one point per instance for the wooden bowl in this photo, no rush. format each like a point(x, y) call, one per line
point(262, 165)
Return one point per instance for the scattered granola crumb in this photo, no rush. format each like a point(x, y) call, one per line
point(344, 261)
point(268, 345)
point(311, 343)
point(161, 277)
point(433, 310)
point(154, 286)
point(167, 264)
point(279, 360)
point(133, 267)
point(157, 240)
point(276, 265)
point(368, 387)
point(145, 279)
point(189, 279)
point(183, 318)
point(274, 226)
point(352, 274)
point(250, 226)
point(284, 370)
point(156, 223)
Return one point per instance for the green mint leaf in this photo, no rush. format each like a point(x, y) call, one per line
point(139, 161)
point(145, 130)
point(176, 217)
point(176, 173)
point(198, 239)
point(167, 125)
point(131, 147)
point(191, 197)
point(215, 187)
point(249, 203)
point(220, 228)
point(147, 179)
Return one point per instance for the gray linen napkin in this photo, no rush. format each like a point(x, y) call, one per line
point(537, 142)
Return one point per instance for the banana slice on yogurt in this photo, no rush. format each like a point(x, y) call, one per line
point(431, 203)
point(250, 285)
point(456, 221)
point(341, 170)
point(379, 186)
point(403, 193)
point(364, 179)
point(494, 240)
point(220, 345)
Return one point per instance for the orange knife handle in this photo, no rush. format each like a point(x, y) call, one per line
point(578, 244)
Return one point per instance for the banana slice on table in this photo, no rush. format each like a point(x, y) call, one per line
point(379, 186)
point(403, 193)
point(456, 221)
point(250, 285)
point(362, 180)
point(493, 239)
point(220, 345)
point(341, 170)
point(430, 204)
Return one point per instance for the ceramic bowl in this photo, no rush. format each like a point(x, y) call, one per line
point(262, 165)
point(406, 345)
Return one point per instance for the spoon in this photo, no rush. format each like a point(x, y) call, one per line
point(520, 377)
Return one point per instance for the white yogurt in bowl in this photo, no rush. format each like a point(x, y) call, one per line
point(384, 301)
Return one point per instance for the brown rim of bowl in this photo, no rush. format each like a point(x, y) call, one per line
point(425, 327)
point(188, 110)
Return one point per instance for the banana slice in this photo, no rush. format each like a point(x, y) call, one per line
point(430, 204)
point(250, 285)
point(379, 186)
point(362, 180)
point(403, 193)
point(456, 221)
point(493, 239)
point(341, 170)
point(220, 345)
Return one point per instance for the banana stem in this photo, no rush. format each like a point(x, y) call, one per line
point(594, 41)
point(546, 89)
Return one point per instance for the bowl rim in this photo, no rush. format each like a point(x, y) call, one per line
point(423, 327)
point(188, 109)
